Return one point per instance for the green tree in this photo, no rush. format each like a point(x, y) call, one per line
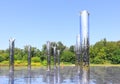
point(72, 48)
point(68, 56)
point(61, 46)
point(116, 57)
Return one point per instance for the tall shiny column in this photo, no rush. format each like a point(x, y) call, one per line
point(58, 57)
point(11, 52)
point(48, 55)
point(78, 50)
point(84, 30)
point(78, 53)
point(29, 57)
point(55, 58)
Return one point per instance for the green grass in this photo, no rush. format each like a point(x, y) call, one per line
point(44, 63)
point(20, 63)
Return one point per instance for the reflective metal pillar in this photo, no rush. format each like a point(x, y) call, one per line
point(29, 57)
point(11, 52)
point(84, 30)
point(58, 57)
point(78, 49)
point(55, 58)
point(48, 55)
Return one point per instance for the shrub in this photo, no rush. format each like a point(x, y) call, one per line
point(35, 59)
point(1, 59)
point(44, 62)
point(5, 62)
point(18, 62)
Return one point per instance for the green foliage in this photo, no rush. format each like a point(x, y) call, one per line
point(61, 46)
point(18, 62)
point(44, 62)
point(35, 59)
point(68, 56)
point(116, 57)
point(1, 58)
point(72, 49)
point(3, 55)
point(102, 52)
point(5, 62)
point(105, 52)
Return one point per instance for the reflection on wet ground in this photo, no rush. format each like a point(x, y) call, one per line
point(60, 75)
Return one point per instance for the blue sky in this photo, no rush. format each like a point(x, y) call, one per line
point(36, 21)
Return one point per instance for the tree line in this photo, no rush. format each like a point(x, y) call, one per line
point(102, 52)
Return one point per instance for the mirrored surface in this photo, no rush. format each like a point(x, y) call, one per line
point(60, 75)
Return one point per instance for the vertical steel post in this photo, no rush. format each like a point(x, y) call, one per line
point(84, 30)
point(54, 51)
point(11, 52)
point(58, 57)
point(48, 55)
point(78, 49)
point(29, 57)
point(85, 36)
point(78, 53)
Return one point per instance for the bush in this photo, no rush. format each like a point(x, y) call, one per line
point(5, 62)
point(97, 60)
point(68, 56)
point(44, 63)
point(1, 59)
point(35, 59)
point(18, 62)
